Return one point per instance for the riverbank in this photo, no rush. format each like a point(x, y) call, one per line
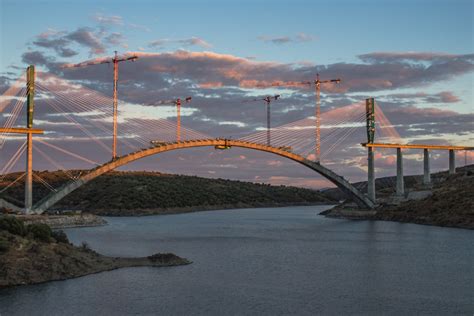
point(191, 209)
point(63, 221)
point(31, 254)
point(449, 204)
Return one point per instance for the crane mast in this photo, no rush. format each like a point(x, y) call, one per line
point(178, 103)
point(317, 84)
point(115, 60)
point(267, 100)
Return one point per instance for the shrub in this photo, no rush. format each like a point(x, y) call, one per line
point(4, 245)
point(85, 246)
point(12, 225)
point(60, 236)
point(41, 232)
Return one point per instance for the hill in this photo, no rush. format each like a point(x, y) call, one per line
point(449, 202)
point(139, 193)
point(34, 253)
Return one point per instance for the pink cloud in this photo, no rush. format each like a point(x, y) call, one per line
point(210, 84)
point(448, 97)
point(234, 71)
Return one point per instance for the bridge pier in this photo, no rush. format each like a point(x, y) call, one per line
point(400, 182)
point(452, 162)
point(29, 175)
point(30, 88)
point(371, 174)
point(426, 167)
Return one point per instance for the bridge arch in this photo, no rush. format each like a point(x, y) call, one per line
point(339, 181)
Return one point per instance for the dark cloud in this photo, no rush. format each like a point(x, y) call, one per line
point(84, 36)
point(60, 42)
point(36, 58)
point(59, 45)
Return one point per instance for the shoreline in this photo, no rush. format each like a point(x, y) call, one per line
point(32, 254)
point(58, 221)
point(86, 219)
point(184, 210)
point(342, 211)
point(105, 264)
point(389, 215)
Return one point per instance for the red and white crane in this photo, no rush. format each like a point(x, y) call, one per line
point(267, 100)
point(115, 60)
point(317, 83)
point(176, 102)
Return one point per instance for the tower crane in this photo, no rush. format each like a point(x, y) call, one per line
point(267, 100)
point(114, 60)
point(176, 102)
point(317, 83)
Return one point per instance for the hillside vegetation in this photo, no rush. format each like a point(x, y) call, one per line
point(34, 253)
point(129, 193)
point(450, 202)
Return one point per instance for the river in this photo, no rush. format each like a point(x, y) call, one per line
point(266, 261)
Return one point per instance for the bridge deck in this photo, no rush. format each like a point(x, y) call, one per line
point(21, 130)
point(417, 146)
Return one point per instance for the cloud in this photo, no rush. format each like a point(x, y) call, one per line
point(275, 40)
point(85, 37)
point(116, 39)
point(303, 37)
point(389, 57)
point(36, 58)
point(237, 71)
point(441, 97)
point(446, 97)
point(108, 19)
point(193, 41)
point(59, 45)
point(139, 27)
point(217, 83)
point(95, 41)
point(224, 70)
point(298, 38)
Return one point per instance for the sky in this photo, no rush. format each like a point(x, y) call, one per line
point(415, 57)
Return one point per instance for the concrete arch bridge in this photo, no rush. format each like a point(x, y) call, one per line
point(352, 192)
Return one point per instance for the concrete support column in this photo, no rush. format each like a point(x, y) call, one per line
point(371, 174)
point(426, 167)
point(452, 162)
point(400, 182)
point(29, 174)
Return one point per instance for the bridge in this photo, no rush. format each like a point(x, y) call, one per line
point(294, 141)
point(339, 181)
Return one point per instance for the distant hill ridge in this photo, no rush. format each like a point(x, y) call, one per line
point(142, 192)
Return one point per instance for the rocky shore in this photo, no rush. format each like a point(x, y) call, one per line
point(64, 221)
point(31, 254)
point(449, 204)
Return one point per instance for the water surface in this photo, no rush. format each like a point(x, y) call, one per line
point(264, 262)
